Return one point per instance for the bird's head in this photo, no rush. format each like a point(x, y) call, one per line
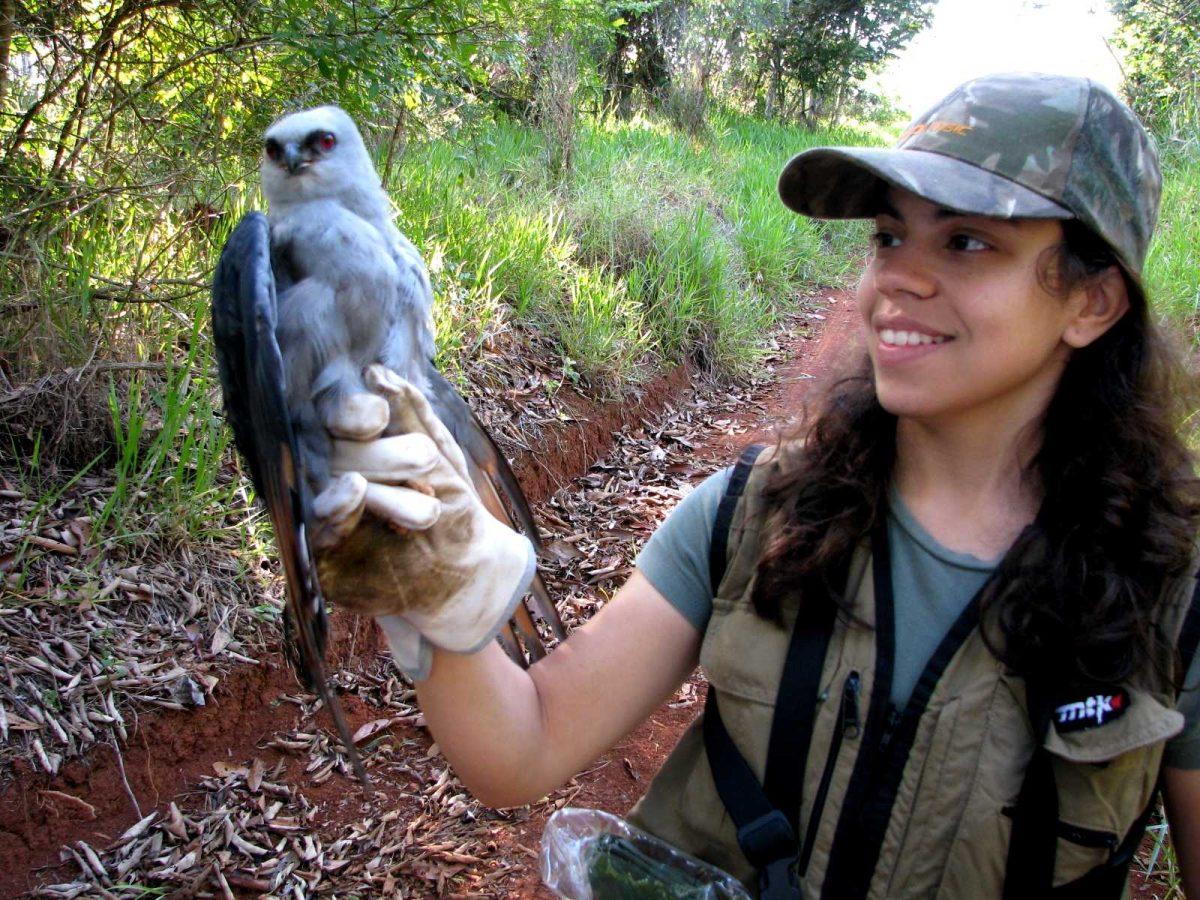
point(315, 154)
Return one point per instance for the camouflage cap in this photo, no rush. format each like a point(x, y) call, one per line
point(1021, 145)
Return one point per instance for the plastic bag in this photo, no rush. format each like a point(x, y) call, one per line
point(588, 854)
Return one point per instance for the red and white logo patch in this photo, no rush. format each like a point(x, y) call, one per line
point(1092, 711)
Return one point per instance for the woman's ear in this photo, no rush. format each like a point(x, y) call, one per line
point(1097, 306)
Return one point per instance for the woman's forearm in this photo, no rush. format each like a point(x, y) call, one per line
point(486, 714)
point(513, 735)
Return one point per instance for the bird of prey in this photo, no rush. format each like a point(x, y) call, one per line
point(303, 301)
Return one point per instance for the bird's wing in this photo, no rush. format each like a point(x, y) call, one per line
point(410, 346)
point(252, 380)
point(492, 477)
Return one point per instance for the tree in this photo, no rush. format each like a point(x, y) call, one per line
point(815, 52)
point(636, 58)
point(1161, 40)
point(796, 59)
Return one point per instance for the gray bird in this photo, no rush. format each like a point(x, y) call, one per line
point(297, 321)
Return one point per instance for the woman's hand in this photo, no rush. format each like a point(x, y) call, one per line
point(514, 735)
point(429, 560)
point(1182, 794)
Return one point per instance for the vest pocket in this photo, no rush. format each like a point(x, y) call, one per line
point(1106, 774)
point(1080, 849)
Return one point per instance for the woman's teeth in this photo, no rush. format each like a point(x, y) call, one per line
point(908, 338)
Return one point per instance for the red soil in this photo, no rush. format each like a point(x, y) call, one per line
point(90, 799)
point(569, 449)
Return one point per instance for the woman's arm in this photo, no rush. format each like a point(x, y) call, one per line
point(514, 735)
point(1182, 789)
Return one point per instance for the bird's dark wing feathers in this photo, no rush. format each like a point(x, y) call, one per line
point(252, 380)
point(490, 468)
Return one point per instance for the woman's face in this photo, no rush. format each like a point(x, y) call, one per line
point(957, 322)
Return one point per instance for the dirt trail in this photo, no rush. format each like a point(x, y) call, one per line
point(616, 780)
point(93, 800)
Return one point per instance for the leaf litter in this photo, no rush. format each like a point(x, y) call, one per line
point(294, 824)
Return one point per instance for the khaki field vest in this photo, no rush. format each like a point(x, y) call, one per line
point(942, 794)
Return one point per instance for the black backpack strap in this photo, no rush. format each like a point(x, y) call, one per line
point(763, 832)
point(1033, 844)
point(795, 712)
point(719, 546)
point(1189, 634)
point(766, 818)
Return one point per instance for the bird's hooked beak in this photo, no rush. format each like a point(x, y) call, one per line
point(295, 158)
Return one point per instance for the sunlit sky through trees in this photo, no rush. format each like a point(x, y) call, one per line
point(973, 37)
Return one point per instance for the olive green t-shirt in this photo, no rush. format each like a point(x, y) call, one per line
point(931, 585)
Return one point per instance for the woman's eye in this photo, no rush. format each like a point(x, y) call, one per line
point(968, 243)
point(884, 239)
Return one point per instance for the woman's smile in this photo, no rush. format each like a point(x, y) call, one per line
point(900, 339)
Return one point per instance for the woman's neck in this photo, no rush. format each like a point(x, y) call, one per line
point(970, 487)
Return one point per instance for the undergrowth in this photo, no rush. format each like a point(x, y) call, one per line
point(680, 246)
point(1172, 267)
point(650, 250)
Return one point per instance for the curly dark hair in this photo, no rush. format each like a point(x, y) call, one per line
point(1119, 516)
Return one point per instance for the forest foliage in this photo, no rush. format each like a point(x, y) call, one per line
point(139, 120)
point(1160, 40)
point(130, 129)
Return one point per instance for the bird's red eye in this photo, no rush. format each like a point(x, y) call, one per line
point(326, 142)
point(273, 151)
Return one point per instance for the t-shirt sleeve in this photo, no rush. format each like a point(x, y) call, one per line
point(1183, 750)
point(675, 559)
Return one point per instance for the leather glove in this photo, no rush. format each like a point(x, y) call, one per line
point(403, 536)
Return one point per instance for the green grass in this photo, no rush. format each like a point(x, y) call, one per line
point(656, 249)
point(1172, 267)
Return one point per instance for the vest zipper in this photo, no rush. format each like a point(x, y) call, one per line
point(1088, 837)
point(849, 726)
point(1092, 838)
point(889, 728)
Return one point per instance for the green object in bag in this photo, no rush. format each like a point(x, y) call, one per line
point(621, 869)
point(589, 854)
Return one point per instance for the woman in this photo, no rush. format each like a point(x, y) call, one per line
point(965, 582)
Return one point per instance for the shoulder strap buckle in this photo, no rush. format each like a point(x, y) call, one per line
point(777, 880)
point(767, 838)
point(770, 844)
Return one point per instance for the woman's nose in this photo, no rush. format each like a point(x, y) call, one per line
point(903, 271)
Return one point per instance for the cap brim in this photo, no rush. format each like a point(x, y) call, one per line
point(848, 183)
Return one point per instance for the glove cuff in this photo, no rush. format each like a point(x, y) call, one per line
point(412, 654)
point(468, 622)
point(521, 588)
